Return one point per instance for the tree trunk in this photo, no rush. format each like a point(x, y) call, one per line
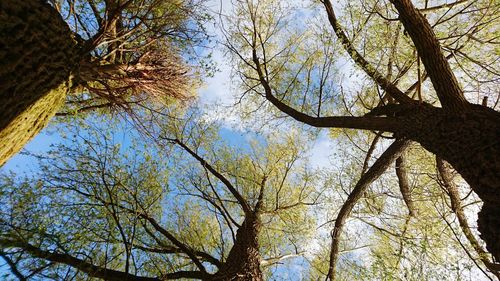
point(37, 55)
point(243, 261)
point(470, 142)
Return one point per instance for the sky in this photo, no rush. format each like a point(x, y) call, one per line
point(217, 94)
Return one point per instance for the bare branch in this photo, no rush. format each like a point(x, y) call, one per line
point(443, 6)
point(13, 267)
point(367, 123)
point(191, 254)
point(243, 203)
point(274, 260)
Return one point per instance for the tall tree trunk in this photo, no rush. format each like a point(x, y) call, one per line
point(37, 54)
point(470, 142)
point(243, 261)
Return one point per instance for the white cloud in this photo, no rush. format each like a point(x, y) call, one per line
point(320, 152)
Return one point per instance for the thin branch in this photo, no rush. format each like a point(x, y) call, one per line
point(387, 85)
point(367, 123)
point(274, 260)
point(243, 203)
point(90, 269)
point(86, 108)
point(443, 6)
point(370, 152)
point(173, 250)
point(13, 267)
point(191, 254)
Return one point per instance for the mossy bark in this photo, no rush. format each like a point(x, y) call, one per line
point(37, 55)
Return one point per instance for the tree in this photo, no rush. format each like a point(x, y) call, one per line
point(114, 54)
point(96, 211)
point(383, 237)
point(289, 66)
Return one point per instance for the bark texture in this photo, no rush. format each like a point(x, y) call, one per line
point(443, 80)
point(404, 183)
point(465, 135)
point(37, 55)
point(243, 261)
point(447, 178)
point(470, 142)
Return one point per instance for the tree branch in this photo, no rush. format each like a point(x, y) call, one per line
point(377, 169)
point(86, 108)
point(365, 122)
point(404, 186)
point(274, 260)
point(13, 267)
point(90, 269)
point(387, 85)
point(370, 152)
point(174, 240)
point(443, 6)
point(446, 176)
point(244, 204)
point(173, 250)
point(429, 50)
point(186, 274)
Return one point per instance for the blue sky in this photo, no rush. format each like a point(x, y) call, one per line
point(216, 95)
point(39, 144)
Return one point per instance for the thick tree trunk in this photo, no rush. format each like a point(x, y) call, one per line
point(37, 55)
point(243, 261)
point(470, 142)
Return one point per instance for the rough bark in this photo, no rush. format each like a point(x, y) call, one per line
point(468, 140)
point(37, 55)
point(470, 143)
point(446, 175)
point(243, 261)
point(489, 226)
point(443, 80)
point(465, 135)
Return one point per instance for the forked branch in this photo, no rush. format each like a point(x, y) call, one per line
point(90, 269)
point(385, 124)
point(377, 169)
point(429, 50)
point(387, 85)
